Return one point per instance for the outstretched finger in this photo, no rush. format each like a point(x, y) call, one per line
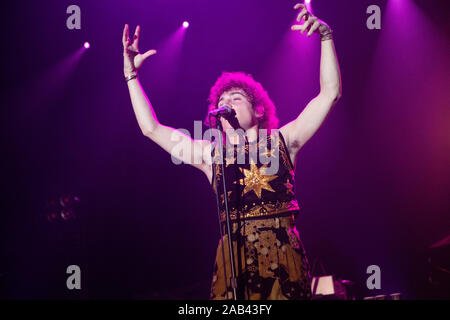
point(314, 27)
point(149, 53)
point(136, 36)
point(297, 27)
point(306, 25)
point(125, 36)
point(301, 14)
point(299, 5)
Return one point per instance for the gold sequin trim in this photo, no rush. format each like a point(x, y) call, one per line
point(263, 210)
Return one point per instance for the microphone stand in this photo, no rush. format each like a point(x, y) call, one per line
point(227, 213)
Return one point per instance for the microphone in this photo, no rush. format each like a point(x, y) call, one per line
point(224, 111)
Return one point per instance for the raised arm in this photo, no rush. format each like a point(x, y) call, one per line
point(300, 130)
point(166, 137)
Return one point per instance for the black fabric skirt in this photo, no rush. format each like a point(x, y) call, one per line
point(270, 262)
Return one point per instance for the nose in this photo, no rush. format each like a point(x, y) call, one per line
point(228, 101)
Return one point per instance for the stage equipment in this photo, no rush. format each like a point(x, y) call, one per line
point(224, 111)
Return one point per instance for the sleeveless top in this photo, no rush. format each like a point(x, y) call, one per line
point(259, 179)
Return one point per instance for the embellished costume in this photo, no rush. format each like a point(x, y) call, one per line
point(270, 260)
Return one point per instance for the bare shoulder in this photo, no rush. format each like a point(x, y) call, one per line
point(284, 131)
point(287, 132)
point(293, 147)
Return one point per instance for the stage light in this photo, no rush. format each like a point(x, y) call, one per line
point(185, 24)
point(62, 209)
point(64, 201)
point(307, 1)
point(52, 216)
point(87, 45)
point(68, 200)
point(67, 214)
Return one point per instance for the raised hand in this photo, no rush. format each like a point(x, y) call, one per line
point(132, 59)
point(310, 22)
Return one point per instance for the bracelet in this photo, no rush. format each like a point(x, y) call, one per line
point(327, 35)
point(131, 77)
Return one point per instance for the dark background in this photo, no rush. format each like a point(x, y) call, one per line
point(373, 183)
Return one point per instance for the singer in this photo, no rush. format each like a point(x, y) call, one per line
point(269, 259)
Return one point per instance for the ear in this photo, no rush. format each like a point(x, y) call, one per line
point(259, 112)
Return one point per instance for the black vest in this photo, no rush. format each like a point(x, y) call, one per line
point(255, 188)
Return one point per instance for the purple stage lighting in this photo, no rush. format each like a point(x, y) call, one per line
point(307, 1)
point(185, 24)
point(87, 45)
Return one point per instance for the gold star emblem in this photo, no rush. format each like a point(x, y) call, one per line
point(229, 160)
point(255, 180)
point(269, 153)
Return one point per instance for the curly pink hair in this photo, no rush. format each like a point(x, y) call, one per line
point(259, 98)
